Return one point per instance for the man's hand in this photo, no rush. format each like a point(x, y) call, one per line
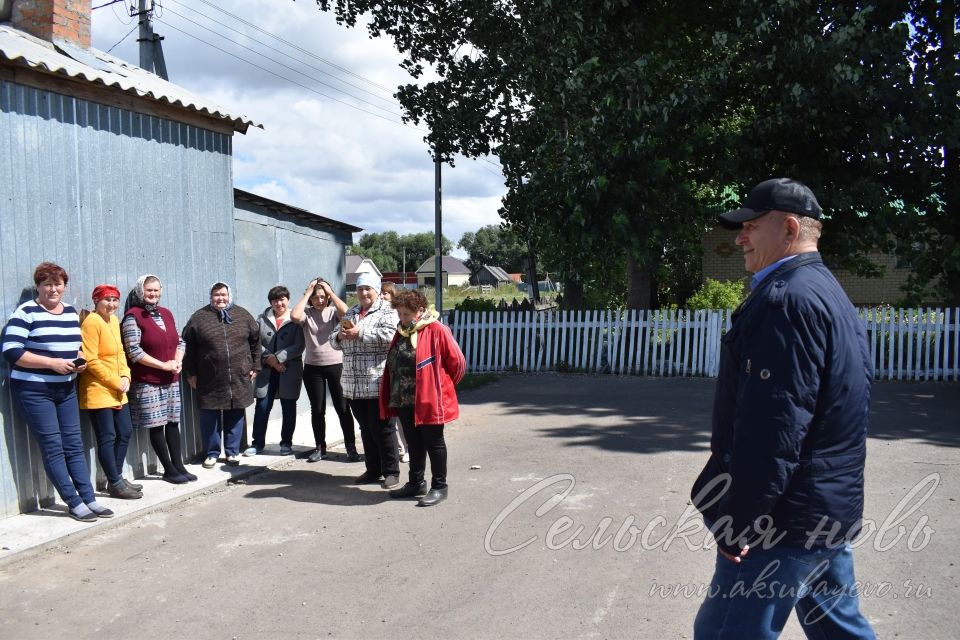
point(192, 381)
point(735, 558)
point(124, 385)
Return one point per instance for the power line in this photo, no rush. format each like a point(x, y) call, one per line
point(135, 27)
point(297, 47)
point(277, 62)
point(390, 100)
point(302, 86)
point(105, 4)
point(493, 173)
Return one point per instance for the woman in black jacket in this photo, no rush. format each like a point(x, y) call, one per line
point(221, 362)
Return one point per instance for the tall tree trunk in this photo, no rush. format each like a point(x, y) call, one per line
point(639, 284)
point(572, 293)
point(533, 284)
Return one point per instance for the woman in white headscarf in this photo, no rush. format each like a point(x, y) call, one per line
point(155, 353)
point(222, 360)
point(364, 336)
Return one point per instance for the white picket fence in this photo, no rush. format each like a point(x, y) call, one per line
point(914, 344)
point(907, 344)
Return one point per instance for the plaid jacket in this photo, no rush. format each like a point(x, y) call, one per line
point(365, 358)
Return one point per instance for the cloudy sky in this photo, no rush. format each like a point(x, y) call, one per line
point(315, 152)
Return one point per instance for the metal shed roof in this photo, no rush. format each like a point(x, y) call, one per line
point(240, 194)
point(97, 67)
point(498, 273)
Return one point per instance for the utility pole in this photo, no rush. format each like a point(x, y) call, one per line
point(438, 244)
point(151, 52)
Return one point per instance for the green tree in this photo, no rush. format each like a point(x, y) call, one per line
point(931, 224)
point(388, 249)
point(420, 247)
point(495, 246)
point(622, 126)
point(714, 294)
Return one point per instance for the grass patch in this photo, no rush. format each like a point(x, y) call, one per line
point(477, 380)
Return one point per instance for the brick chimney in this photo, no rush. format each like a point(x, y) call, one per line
point(54, 20)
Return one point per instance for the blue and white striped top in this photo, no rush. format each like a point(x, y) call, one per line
point(32, 328)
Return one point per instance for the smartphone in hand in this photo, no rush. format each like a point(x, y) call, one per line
point(346, 323)
point(79, 362)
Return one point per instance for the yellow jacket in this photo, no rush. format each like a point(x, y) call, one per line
point(99, 384)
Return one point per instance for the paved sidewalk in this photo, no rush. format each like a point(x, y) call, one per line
point(50, 527)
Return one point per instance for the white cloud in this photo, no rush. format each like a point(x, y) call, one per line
point(314, 152)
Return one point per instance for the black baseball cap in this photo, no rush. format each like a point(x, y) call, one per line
point(780, 194)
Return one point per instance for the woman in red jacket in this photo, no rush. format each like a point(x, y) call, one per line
point(423, 366)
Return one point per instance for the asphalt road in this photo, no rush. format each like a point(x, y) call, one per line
point(574, 525)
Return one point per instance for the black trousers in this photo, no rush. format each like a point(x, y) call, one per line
point(316, 380)
point(379, 439)
point(423, 441)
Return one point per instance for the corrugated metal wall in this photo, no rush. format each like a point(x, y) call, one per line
point(108, 194)
point(274, 248)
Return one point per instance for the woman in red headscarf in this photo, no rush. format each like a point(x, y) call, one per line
point(103, 389)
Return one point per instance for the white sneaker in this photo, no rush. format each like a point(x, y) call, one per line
point(210, 463)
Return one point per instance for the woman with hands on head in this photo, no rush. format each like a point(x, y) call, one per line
point(41, 341)
point(222, 360)
point(103, 389)
point(318, 311)
point(155, 353)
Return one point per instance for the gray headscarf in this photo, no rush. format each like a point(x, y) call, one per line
point(138, 293)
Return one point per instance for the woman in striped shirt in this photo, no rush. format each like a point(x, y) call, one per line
point(42, 344)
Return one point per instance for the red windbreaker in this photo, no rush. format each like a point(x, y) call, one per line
point(440, 366)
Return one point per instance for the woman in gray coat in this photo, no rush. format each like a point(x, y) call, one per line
point(222, 359)
point(281, 353)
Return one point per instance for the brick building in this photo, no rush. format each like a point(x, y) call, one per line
point(723, 260)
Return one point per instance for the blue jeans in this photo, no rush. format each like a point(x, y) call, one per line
point(261, 415)
point(113, 428)
point(232, 427)
point(53, 415)
point(753, 599)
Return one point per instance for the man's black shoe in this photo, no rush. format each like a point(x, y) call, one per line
point(410, 490)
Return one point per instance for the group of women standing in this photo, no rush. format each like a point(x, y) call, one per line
point(126, 375)
point(378, 360)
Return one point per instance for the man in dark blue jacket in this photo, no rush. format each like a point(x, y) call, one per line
point(782, 491)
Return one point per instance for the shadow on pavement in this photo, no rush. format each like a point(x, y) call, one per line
point(317, 486)
point(928, 412)
point(612, 413)
point(650, 415)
